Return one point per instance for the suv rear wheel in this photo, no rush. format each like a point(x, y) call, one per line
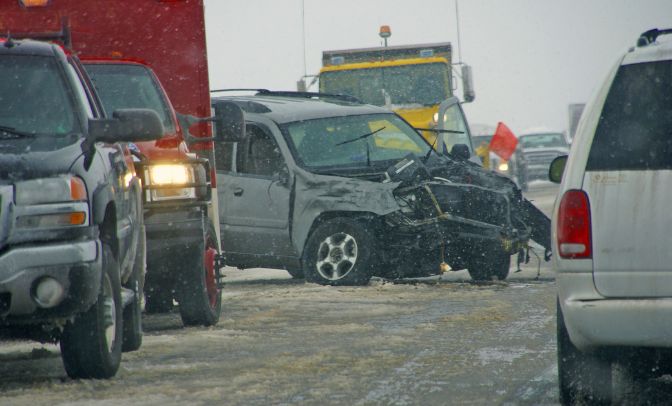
point(339, 252)
point(91, 344)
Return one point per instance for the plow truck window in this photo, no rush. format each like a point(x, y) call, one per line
point(422, 84)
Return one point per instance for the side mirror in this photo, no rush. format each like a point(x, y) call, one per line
point(229, 122)
point(557, 168)
point(127, 125)
point(460, 152)
point(468, 92)
point(283, 176)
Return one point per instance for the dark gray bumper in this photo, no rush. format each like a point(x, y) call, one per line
point(76, 265)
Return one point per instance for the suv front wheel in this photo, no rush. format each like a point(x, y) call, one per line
point(339, 252)
point(486, 266)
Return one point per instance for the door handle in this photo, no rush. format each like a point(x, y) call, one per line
point(238, 191)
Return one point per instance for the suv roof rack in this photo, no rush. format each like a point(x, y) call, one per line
point(239, 90)
point(289, 93)
point(649, 37)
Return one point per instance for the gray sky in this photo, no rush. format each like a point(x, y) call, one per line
point(530, 58)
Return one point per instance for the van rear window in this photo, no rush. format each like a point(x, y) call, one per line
point(635, 128)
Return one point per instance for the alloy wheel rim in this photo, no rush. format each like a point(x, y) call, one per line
point(336, 256)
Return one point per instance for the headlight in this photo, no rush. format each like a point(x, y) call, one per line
point(51, 203)
point(50, 190)
point(168, 175)
point(503, 167)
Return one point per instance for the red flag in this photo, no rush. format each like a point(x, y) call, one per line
point(503, 143)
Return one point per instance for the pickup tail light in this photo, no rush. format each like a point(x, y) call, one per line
point(573, 227)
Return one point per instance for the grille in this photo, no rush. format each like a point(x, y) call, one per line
point(540, 157)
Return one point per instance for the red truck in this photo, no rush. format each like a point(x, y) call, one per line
point(132, 49)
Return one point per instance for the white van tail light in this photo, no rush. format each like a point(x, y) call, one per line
point(574, 233)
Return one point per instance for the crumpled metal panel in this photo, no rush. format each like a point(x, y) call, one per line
point(315, 194)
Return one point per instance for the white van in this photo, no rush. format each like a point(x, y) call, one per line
point(612, 229)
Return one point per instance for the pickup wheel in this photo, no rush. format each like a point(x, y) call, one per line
point(340, 251)
point(133, 312)
point(91, 344)
point(583, 378)
point(490, 265)
point(198, 294)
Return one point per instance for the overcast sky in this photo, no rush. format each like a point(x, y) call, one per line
point(530, 58)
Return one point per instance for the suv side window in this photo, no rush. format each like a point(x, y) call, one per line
point(635, 128)
point(259, 154)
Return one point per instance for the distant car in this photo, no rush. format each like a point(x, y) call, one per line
point(515, 168)
point(540, 147)
point(339, 191)
point(611, 231)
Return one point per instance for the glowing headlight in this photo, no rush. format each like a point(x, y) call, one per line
point(435, 118)
point(168, 175)
point(503, 167)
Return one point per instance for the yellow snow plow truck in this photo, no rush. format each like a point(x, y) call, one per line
point(411, 80)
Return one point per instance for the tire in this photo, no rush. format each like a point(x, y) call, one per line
point(487, 266)
point(91, 344)
point(583, 378)
point(339, 252)
point(132, 338)
point(158, 299)
point(199, 296)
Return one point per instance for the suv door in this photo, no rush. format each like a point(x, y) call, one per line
point(254, 197)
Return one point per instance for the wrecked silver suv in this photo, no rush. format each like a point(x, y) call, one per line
point(337, 192)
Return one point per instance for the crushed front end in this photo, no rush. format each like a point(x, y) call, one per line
point(456, 214)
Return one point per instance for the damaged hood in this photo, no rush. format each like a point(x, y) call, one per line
point(431, 189)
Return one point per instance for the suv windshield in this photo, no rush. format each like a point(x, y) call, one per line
point(324, 142)
point(129, 86)
point(635, 128)
point(33, 96)
point(424, 84)
point(548, 140)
